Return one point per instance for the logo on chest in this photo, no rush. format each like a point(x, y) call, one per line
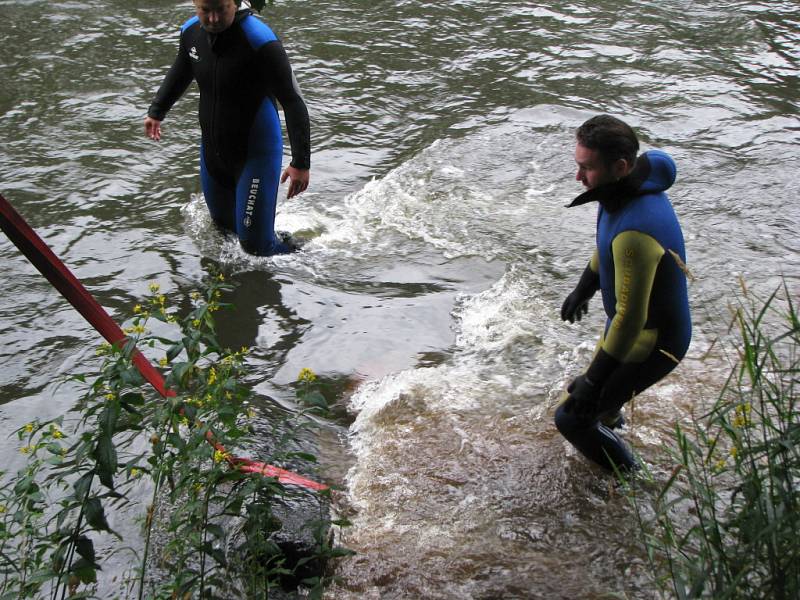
point(193, 54)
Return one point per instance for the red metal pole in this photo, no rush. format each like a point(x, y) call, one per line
point(57, 273)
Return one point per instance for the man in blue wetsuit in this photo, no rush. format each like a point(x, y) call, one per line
point(243, 73)
point(637, 266)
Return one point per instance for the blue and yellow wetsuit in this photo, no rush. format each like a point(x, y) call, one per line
point(241, 73)
point(648, 326)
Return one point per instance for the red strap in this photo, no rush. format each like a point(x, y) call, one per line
point(57, 273)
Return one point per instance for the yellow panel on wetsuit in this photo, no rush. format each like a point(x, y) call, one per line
point(636, 258)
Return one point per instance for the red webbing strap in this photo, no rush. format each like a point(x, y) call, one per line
point(57, 273)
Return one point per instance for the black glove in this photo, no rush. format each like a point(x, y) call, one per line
point(577, 303)
point(574, 307)
point(583, 397)
point(584, 391)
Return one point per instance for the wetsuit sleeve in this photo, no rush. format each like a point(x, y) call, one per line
point(174, 85)
point(636, 258)
point(589, 282)
point(280, 78)
point(590, 279)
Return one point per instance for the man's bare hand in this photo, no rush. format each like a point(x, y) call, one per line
point(298, 180)
point(152, 128)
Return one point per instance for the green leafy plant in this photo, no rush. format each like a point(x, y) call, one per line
point(725, 523)
point(54, 528)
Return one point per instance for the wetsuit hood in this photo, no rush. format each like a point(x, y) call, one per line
point(662, 172)
point(653, 172)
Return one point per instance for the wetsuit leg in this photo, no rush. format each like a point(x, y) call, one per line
point(220, 198)
point(597, 441)
point(257, 185)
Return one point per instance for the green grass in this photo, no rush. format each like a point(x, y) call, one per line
point(726, 523)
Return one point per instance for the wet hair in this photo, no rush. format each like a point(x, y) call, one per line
point(611, 137)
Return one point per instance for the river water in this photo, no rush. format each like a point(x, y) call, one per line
point(427, 300)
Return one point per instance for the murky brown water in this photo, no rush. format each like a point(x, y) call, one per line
point(442, 136)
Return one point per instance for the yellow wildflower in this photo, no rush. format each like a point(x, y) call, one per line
point(163, 362)
point(306, 375)
point(219, 456)
point(137, 309)
point(734, 451)
point(136, 472)
point(212, 376)
point(56, 432)
point(29, 427)
point(154, 287)
point(196, 323)
point(742, 415)
point(195, 296)
point(2, 508)
point(221, 277)
point(26, 449)
point(110, 396)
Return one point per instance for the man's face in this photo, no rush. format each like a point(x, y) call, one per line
point(592, 171)
point(215, 15)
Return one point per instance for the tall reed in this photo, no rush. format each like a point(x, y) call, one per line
point(726, 523)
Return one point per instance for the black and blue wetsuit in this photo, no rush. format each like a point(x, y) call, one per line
point(242, 73)
point(644, 290)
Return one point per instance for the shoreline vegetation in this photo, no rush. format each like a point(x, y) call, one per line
point(723, 524)
point(208, 529)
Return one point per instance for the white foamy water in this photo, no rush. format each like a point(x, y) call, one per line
point(458, 465)
point(462, 453)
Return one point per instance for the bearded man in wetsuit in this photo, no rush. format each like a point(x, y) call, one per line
point(638, 267)
point(243, 73)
